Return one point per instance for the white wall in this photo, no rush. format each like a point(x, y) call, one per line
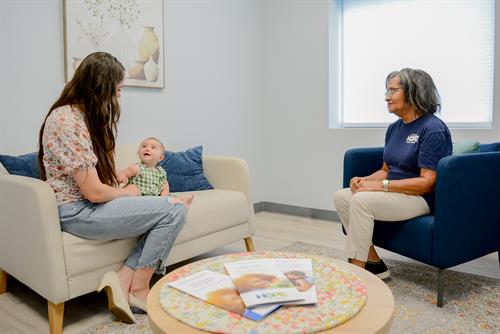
point(213, 61)
point(303, 157)
point(243, 77)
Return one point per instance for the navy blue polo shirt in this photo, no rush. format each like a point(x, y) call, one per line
point(415, 145)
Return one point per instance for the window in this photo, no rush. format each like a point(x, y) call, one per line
point(453, 41)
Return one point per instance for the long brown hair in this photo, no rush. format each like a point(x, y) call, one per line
point(93, 89)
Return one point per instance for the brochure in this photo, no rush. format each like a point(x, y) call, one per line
point(219, 290)
point(259, 282)
point(300, 273)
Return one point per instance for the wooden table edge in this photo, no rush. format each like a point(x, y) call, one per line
point(379, 297)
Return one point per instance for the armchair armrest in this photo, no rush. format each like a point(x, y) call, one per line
point(31, 247)
point(361, 162)
point(467, 217)
point(230, 173)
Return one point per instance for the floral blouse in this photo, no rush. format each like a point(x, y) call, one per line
point(67, 146)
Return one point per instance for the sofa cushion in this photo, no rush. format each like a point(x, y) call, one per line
point(493, 147)
point(465, 147)
point(185, 170)
point(84, 255)
point(24, 165)
point(212, 211)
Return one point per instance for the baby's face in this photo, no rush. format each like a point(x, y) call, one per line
point(150, 152)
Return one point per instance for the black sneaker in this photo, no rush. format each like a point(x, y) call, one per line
point(378, 269)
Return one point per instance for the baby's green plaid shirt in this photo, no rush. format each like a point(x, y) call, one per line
point(150, 181)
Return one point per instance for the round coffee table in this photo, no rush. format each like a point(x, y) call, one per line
point(375, 317)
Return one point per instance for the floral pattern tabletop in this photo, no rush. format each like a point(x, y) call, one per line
point(341, 295)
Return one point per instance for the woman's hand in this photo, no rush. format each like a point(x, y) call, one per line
point(95, 191)
point(132, 190)
point(125, 175)
point(354, 184)
point(121, 178)
point(371, 182)
point(364, 185)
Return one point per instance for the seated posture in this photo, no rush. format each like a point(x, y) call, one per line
point(403, 188)
point(76, 158)
point(148, 176)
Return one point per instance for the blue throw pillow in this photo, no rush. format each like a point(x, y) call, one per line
point(25, 165)
point(493, 147)
point(185, 170)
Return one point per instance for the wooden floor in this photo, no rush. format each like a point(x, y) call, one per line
point(23, 311)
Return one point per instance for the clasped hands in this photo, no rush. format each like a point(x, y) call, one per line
point(359, 184)
point(132, 189)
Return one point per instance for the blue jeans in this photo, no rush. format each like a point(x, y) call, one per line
point(154, 217)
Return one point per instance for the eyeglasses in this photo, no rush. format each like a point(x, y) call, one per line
point(391, 91)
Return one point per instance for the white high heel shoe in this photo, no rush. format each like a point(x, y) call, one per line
point(136, 302)
point(117, 303)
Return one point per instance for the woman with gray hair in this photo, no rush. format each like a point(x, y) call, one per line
point(403, 188)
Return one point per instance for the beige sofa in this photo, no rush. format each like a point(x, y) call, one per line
point(60, 266)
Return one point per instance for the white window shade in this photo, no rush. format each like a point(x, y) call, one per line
point(451, 40)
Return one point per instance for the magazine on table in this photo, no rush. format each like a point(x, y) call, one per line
point(300, 273)
point(219, 290)
point(259, 282)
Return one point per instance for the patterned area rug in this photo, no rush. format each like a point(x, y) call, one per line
point(471, 302)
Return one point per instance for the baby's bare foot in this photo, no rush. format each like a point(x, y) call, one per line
point(189, 199)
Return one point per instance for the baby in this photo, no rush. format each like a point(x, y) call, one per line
point(148, 176)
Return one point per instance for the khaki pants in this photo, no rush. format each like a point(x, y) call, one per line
point(359, 211)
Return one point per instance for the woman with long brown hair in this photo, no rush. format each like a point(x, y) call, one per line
point(76, 158)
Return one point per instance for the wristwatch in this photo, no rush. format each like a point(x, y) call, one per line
point(385, 183)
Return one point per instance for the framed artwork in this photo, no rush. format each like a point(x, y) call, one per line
point(131, 30)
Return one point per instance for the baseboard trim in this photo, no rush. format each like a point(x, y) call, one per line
point(299, 211)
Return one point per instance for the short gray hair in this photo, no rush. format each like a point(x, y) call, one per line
point(419, 89)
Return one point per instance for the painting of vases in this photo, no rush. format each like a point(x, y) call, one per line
point(149, 54)
point(137, 70)
point(149, 46)
point(151, 70)
point(133, 34)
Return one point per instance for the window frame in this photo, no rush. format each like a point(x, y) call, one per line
point(336, 79)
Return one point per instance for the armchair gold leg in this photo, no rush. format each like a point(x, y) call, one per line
point(3, 281)
point(56, 316)
point(249, 244)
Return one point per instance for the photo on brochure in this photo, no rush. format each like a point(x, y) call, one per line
point(218, 289)
point(300, 273)
point(259, 282)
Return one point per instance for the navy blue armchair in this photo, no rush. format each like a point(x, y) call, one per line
point(466, 221)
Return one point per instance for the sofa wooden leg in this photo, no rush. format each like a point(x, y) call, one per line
point(249, 244)
point(3, 281)
point(56, 316)
point(440, 288)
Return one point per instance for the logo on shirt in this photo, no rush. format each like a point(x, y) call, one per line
point(412, 139)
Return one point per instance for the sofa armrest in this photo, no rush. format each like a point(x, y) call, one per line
point(31, 246)
point(361, 162)
point(230, 173)
point(467, 217)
